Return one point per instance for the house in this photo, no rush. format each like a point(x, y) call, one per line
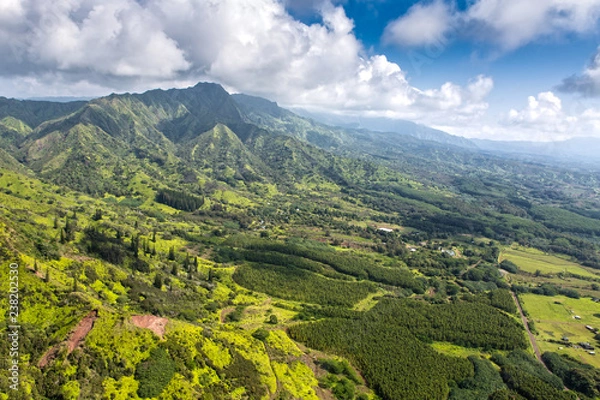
point(386, 230)
point(592, 329)
point(565, 339)
point(577, 317)
point(412, 249)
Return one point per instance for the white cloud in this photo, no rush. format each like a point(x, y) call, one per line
point(113, 38)
point(509, 24)
point(467, 101)
point(545, 109)
point(544, 118)
point(251, 46)
point(586, 84)
point(422, 24)
point(514, 23)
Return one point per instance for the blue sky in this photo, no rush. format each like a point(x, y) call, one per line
point(502, 69)
point(539, 65)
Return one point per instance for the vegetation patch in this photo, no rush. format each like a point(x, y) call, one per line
point(532, 261)
point(297, 379)
point(154, 373)
point(300, 285)
point(389, 343)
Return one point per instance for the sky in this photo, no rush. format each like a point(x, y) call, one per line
point(496, 69)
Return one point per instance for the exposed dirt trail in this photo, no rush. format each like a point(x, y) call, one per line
point(74, 339)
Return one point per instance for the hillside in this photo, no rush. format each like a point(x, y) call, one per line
point(189, 243)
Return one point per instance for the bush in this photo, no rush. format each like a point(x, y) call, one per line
point(154, 373)
point(261, 334)
point(509, 266)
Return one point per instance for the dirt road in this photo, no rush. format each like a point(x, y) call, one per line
point(536, 349)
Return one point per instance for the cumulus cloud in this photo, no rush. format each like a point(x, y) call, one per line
point(251, 46)
point(113, 38)
point(545, 109)
point(514, 23)
point(423, 24)
point(509, 24)
point(586, 84)
point(545, 118)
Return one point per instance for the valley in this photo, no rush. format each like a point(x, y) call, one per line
point(231, 249)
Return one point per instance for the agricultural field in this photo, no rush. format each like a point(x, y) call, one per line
point(554, 317)
point(533, 260)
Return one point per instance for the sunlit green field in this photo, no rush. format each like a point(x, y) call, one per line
point(455, 350)
point(554, 318)
point(532, 260)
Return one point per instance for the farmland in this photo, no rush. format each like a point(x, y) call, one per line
point(554, 317)
point(532, 260)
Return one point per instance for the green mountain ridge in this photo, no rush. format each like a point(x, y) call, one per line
point(213, 237)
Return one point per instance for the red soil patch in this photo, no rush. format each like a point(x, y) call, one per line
point(75, 338)
point(155, 324)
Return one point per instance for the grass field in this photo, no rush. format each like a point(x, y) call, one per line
point(455, 351)
point(370, 301)
point(532, 260)
point(554, 318)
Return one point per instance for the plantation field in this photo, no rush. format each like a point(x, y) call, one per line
point(300, 285)
point(554, 318)
point(532, 260)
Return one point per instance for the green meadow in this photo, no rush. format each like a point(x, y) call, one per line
point(532, 260)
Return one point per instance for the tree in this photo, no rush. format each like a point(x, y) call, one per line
point(172, 253)
point(97, 215)
point(158, 282)
point(261, 334)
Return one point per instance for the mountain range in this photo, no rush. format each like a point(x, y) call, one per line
point(172, 243)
